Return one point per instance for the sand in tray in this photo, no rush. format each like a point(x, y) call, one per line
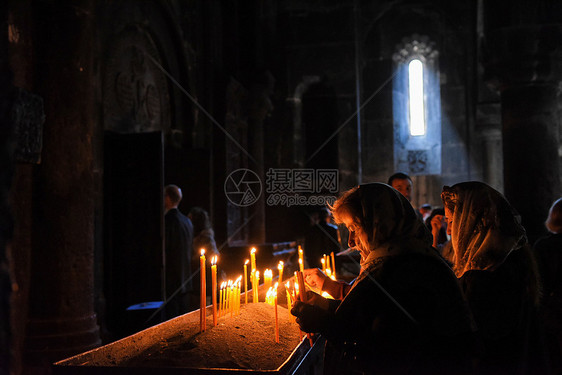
point(244, 341)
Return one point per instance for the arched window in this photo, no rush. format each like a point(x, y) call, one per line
point(416, 102)
point(416, 98)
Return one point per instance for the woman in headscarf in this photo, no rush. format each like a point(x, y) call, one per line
point(498, 275)
point(405, 313)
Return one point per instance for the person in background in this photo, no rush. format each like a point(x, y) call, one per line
point(203, 234)
point(405, 313)
point(403, 183)
point(425, 210)
point(498, 274)
point(178, 237)
point(437, 224)
point(548, 251)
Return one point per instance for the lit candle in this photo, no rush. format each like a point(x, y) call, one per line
point(202, 308)
point(228, 296)
point(302, 297)
point(221, 301)
point(232, 299)
point(301, 259)
point(276, 316)
point(253, 282)
point(333, 265)
point(269, 297)
point(323, 261)
point(257, 286)
point(214, 286)
point(253, 258)
point(267, 277)
point(289, 304)
point(246, 281)
point(280, 268)
point(237, 292)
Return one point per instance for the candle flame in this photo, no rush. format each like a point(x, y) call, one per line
point(326, 295)
point(246, 262)
point(202, 251)
point(280, 265)
point(253, 250)
point(214, 260)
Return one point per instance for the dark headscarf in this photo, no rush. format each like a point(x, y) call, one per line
point(486, 228)
point(388, 219)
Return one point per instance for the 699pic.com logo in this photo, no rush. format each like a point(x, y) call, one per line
point(242, 187)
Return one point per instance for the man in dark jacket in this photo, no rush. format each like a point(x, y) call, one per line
point(178, 250)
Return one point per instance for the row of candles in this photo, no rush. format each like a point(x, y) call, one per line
point(327, 268)
point(230, 292)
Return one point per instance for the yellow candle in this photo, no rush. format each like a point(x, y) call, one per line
point(276, 316)
point(246, 281)
point(224, 300)
point(257, 286)
point(231, 300)
point(323, 261)
point(221, 299)
point(253, 282)
point(301, 259)
point(214, 286)
point(237, 295)
point(333, 265)
point(253, 258)
point(267, 278)
point(280, 268)
point(202, 308)
point(289, 304)
point(227, 297)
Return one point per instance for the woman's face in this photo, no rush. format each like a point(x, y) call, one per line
point(449, 217)
point(357, 236)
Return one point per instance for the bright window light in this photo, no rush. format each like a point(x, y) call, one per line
point(417, 112)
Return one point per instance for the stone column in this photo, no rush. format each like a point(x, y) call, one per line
point(489, 130)
point(61, 318)
point(523, 62)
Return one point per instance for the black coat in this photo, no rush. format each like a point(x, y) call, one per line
point(178, 245)
point(507, 317)
point(422, 326)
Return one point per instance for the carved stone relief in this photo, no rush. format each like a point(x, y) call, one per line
point(135, 90)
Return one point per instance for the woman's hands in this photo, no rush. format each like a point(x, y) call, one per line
point(314, 277)
point(311, 318)
point(436, 224)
